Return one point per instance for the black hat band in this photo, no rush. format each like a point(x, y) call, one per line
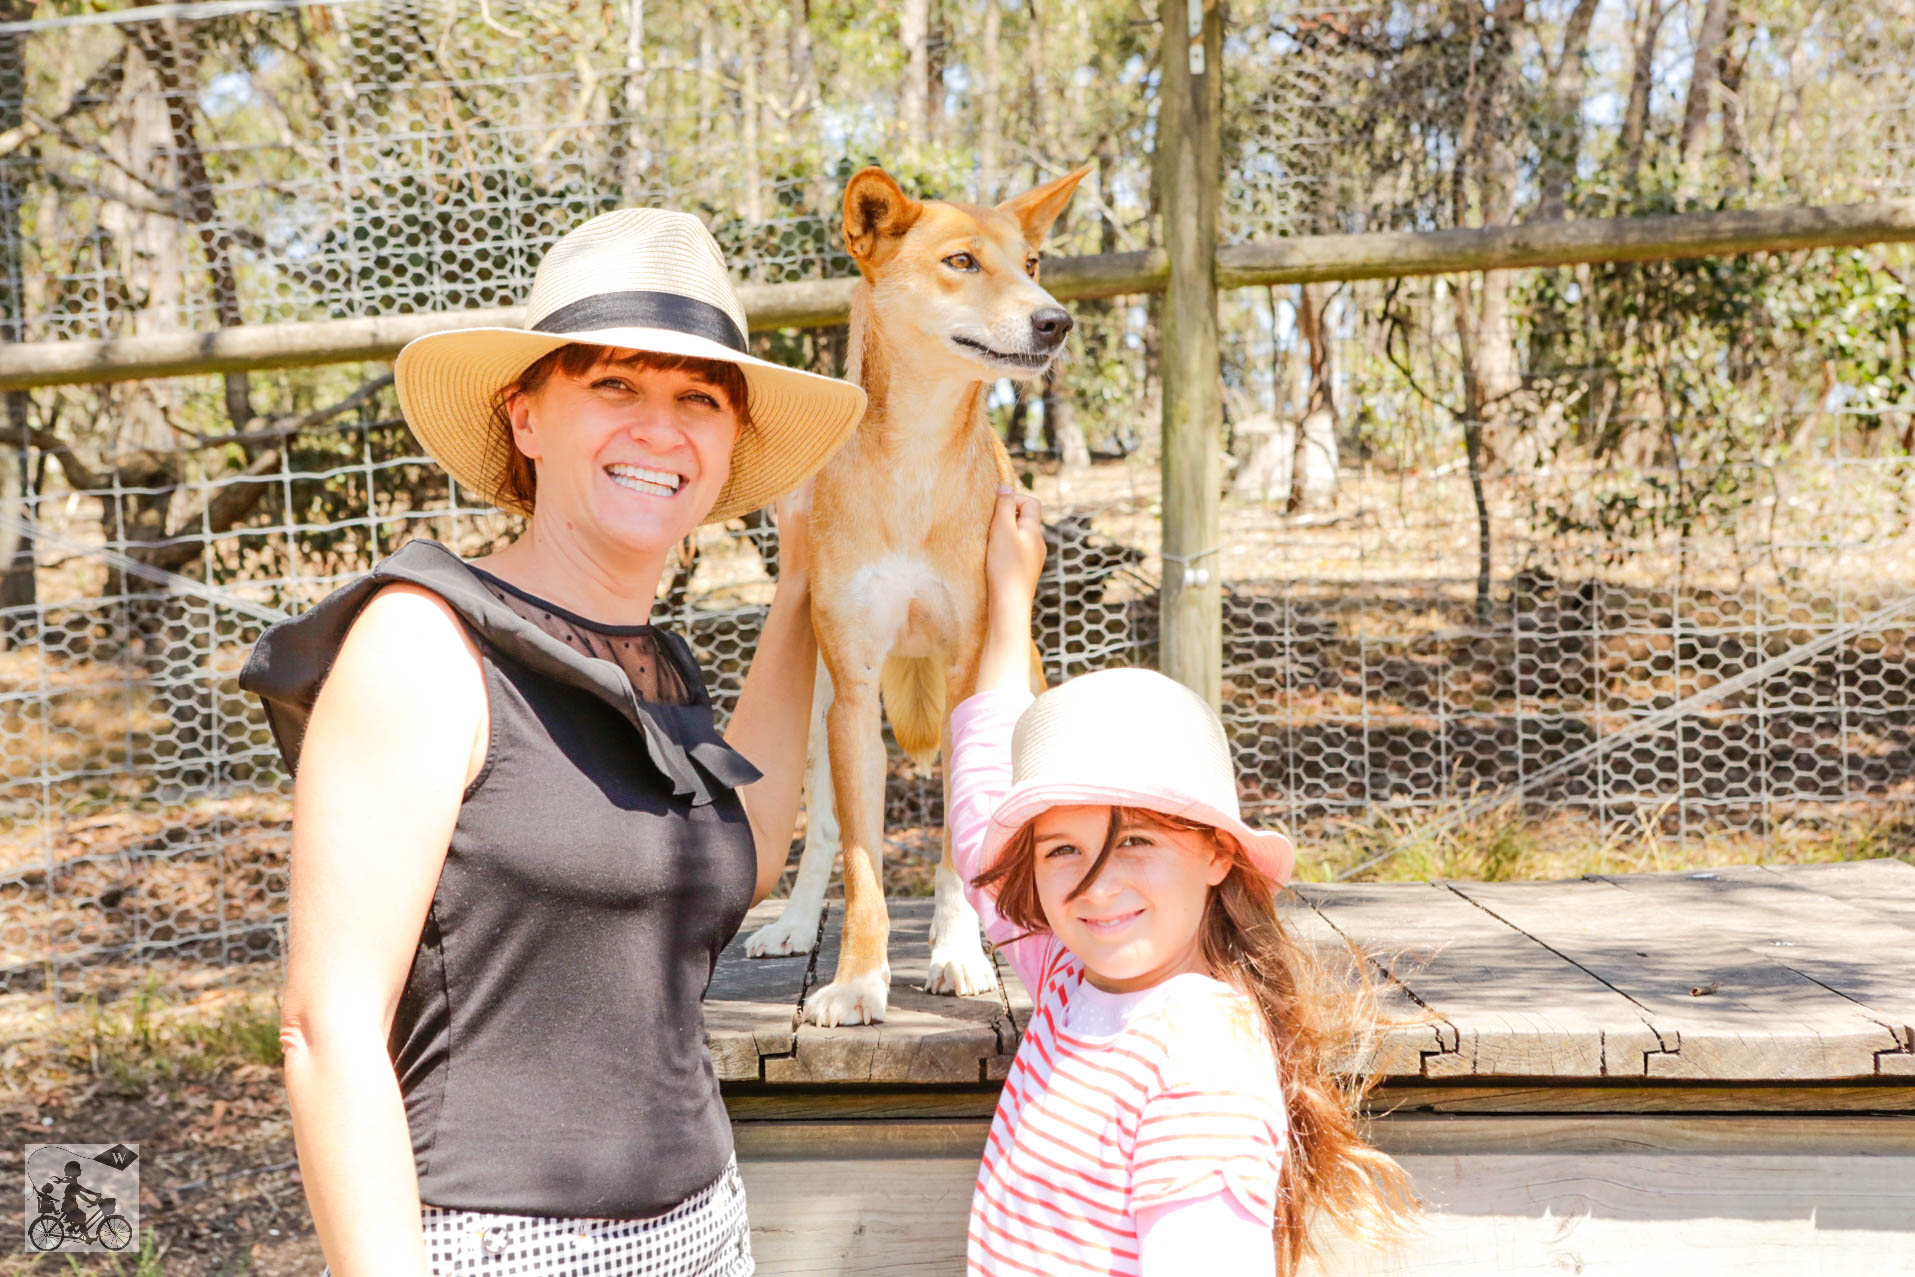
point(643, 309)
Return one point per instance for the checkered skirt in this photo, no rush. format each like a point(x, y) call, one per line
point(706, 1235)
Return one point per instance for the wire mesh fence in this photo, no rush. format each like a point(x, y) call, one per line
point(1476, 528)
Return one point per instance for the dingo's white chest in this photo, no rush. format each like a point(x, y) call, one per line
point(905, 605)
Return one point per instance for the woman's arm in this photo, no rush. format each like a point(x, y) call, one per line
point(773, 717)
point(398, 733)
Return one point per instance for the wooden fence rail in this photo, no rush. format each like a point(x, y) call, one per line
point(819, 303)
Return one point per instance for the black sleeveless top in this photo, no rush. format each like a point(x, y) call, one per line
point(550, 1039)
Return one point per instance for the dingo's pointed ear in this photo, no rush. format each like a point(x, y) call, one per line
point(1038, 207)
point(875, 209)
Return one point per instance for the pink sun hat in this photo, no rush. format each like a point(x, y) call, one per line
point(1128, 738)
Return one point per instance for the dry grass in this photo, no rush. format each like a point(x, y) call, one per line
point(193, 1079)
point(1504, 845)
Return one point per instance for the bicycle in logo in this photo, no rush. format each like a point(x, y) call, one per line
point(53, 1227)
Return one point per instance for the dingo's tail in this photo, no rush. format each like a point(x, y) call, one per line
point(913, 692)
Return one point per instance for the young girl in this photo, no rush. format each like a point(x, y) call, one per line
point(1171, 1109)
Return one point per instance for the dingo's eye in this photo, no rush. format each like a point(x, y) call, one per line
point(1030, 267)
point(961, 261)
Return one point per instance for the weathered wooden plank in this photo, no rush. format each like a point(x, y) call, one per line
point(1795, 1134)
point(751, 1008)
point(1719, 1010)
point(1412, 1037)
point(1505, 1195)
point(1886, 887)
point(1852, 951)
point(859, 1197)
point(843, 1103)
point(1394, 1099)
point(1508, 1005)
point(1641, 1096)
point(1018, 1008)
point(1623, 1214)
point(925, 1038)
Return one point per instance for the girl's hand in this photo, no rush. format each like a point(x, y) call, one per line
point(793, 516)
point(1014, 556)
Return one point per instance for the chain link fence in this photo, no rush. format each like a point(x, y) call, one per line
point(1477, 527)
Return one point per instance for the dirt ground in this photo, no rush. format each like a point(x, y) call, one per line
point(219, 1193)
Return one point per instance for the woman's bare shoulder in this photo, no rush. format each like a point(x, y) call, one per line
point(407, 649)
point(410, 625)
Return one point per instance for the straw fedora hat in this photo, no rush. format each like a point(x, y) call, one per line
point(1128, 738)
point(643, 279)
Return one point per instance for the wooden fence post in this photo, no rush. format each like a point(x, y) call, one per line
point(1188, 153)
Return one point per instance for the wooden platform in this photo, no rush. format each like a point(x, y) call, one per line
point(1714, 1069)
point(1749, 976)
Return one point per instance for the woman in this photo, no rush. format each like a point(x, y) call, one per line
point(519, 842)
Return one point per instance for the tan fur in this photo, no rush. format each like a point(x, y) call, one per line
point(912, 690)
point(900, 515)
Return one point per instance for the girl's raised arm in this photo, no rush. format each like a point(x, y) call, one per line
point(979, 768)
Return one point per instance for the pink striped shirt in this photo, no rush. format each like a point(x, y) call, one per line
point(1116, 1103)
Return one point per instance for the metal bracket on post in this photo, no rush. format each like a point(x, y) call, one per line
point(1194, 577)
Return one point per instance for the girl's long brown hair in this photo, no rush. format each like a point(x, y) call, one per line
point(1311, 1020)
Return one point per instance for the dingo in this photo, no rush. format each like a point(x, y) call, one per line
point(947, 304)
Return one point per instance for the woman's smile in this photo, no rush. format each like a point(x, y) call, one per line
point(645, 480)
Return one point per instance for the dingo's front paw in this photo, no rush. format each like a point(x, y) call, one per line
point(795, 931)
point(859, 1000)
point(960, 969)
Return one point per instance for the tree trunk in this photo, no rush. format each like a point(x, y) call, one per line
point(1313, 470)
point(1283, 359)
point(1015, 428)
point(1039, 61)
point(17, 581)
point(1467, 345)
point(1702, 84)
point(1266, 454)
point(937, 47)
point(1730, 68)
point(1646, 30)
point(19, 586)
point(1562, 141)
point(1061, 427)
point(1486, 139)
point(171, 51)
point(637, 127)
point(708, 108)
point(748, 108)
point(990, 75)
point(804, 69)
point(914, 32)
point(151, 259)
